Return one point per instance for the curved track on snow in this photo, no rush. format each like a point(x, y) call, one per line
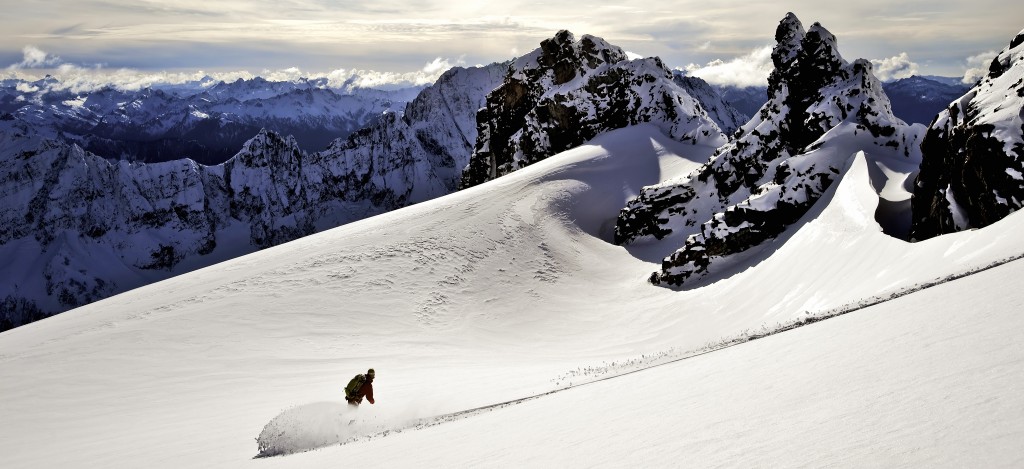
point(272, 439)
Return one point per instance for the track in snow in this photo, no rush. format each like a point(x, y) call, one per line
point(305, 428)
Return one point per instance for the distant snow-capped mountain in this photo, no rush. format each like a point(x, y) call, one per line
point(728, 117)
point(78, 227)
point(919, 99)
point(567, 92)
point(972, 174)
point(822, 110)
point(747, 100)
point(207, 123)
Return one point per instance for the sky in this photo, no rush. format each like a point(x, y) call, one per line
point(414, 41)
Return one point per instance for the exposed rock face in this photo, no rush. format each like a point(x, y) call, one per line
point(777, 165)
point(82, 227)
point(567, 92)
point(972, 174)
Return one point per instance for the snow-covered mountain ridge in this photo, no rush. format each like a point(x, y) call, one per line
point(78, 227)
point(205, 122)
point(153, 221)
point(821, 111)
point(567, 92)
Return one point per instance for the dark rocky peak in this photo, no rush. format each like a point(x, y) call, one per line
point(567, 92)
point(819, 48)
point(268, 149)
point(804, 60)
point(788, 38)
point(777, 165)
point(563, 58)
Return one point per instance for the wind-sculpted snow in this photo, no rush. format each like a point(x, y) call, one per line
point(821, 111)
point(567, 92)
point(972, 174)
point(83, 228)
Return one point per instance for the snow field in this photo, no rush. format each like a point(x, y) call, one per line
point(494, 293)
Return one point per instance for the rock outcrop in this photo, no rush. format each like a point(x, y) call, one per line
point(777, 165)
point(567, 92)
point(972, 173)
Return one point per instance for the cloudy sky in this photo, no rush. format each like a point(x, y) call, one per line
point(724, 41)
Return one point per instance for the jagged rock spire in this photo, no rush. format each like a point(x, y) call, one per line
point(769, 175)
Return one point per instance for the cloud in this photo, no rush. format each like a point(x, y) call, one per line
point(977, 66)
point(26, 88)
point(895, 67)
point(34, 57)
point(440, 65)
point(79, 79)
point(745, 71)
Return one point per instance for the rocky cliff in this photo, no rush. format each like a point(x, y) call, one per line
point(972, 174)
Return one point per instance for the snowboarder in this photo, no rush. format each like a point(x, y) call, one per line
point(358, 387)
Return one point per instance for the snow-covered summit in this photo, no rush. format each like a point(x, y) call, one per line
point(821, 110)
point(566, 92)
point(972, 174)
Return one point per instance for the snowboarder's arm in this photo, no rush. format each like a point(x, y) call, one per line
point(369, 392)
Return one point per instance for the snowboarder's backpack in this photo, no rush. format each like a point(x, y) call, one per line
point(352, 390)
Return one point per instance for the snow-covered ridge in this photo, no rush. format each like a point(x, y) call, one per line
point(974, 153)
point(821, 111)
point(78, 228)
point(566, 92)
point(206, 122)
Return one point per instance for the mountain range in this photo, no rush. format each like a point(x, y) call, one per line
point(855, 303)
point(204, 121)
point(79, 227)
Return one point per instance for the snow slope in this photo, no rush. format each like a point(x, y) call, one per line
point(512, 289)
point(75, 227)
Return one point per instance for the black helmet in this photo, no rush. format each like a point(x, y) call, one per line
point(370, 373)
